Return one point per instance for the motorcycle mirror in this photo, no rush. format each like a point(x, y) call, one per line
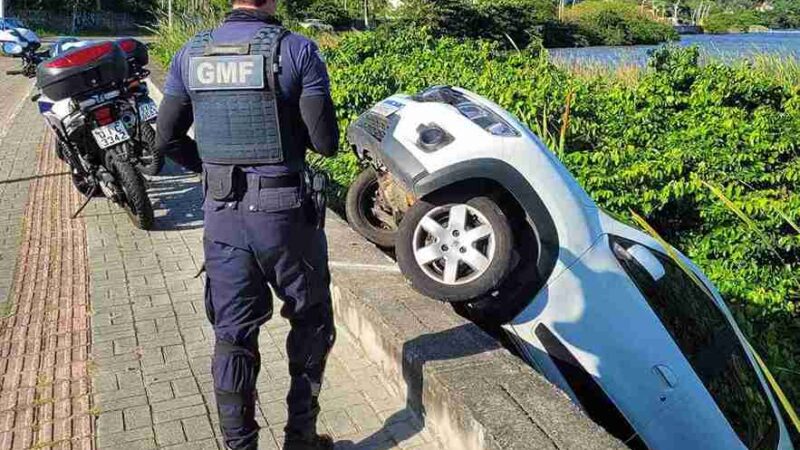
point(12, 48)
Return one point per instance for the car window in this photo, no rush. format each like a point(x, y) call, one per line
point(710, 344)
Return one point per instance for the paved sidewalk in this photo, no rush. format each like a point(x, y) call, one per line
point(152, 344)
point(44, 332)
point(17, 165)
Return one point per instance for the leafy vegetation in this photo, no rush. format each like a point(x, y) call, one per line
point(652, 144)
point(723, 16)
point(129, 6)
point(736, 22)
point(512, 23)
point(519, 23)
point(616, 22)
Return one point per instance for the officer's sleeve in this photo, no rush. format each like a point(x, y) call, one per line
point(175, 117)
point(174, 84)
point(316, 105)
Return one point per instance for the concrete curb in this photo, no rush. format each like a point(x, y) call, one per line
point(456, 379)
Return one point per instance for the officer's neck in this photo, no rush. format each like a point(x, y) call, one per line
point(251, 14)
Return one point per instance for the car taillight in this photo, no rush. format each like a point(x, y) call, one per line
point(81, 57)
point(104, 115)
point(128, 45)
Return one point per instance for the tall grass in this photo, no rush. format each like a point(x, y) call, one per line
point(784, 69)
point(184, 26)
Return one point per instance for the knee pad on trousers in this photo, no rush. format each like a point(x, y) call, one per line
point(236, 369)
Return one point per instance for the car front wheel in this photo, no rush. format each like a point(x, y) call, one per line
point(455, 247)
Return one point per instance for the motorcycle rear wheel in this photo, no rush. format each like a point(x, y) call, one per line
point(151, 160)
point(137, 203)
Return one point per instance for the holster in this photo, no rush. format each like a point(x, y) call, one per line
point(317, 191)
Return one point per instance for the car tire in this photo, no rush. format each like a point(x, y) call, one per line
point(358, 206)
point(455, 261)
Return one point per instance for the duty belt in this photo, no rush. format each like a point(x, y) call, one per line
point(280, 182)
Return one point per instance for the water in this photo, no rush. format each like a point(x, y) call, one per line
point(725, 47)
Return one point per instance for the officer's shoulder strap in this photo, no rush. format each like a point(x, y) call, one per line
point(197, 46)
point(267, 42)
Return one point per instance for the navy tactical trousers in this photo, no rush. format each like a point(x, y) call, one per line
point(264, 239)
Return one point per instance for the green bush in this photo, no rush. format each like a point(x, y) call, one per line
point(617, 22)
point(648, 147)
point(511, 23)
point(729, 21)
point(329, 12)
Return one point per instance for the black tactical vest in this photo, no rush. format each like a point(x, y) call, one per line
point(234, 95)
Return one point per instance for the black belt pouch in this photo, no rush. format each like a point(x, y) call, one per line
point(221, 182)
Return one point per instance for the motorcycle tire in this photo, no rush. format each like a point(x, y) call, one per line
point(137, 203)
point(151, 160)
point(359, 205)
point(455, 247)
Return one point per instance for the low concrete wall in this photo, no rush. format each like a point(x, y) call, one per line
point(457, 379)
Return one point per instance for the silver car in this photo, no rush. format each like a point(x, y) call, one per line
point(483, 215)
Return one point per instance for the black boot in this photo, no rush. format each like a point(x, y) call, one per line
point(316, 442)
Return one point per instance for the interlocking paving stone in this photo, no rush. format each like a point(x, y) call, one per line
point(18, 141)
point(150, 306)
point(44, 329)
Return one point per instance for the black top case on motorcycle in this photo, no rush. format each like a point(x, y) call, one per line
point(137, 54)
point(83, 70)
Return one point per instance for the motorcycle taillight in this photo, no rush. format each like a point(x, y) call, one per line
point(104, 115)
point(128, 45)
point(81, 56)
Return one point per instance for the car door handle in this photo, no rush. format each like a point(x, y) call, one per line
point(666, 375)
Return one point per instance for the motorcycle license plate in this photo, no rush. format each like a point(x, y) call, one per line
point(111, 135)
point(148, 110)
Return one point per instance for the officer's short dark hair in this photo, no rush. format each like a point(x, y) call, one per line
point(250, 2)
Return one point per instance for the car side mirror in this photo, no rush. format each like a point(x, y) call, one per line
point(645, 257)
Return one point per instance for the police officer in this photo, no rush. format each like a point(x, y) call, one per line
point(258, 97)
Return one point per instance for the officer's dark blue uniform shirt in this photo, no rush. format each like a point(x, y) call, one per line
point(303, 74)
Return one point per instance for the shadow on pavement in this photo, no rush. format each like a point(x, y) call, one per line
point(455, 343)
point(178, 194)
point(34, 177)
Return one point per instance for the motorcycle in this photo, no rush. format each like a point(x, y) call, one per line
point(22, 43)
point(149, 159)
point(85, 99)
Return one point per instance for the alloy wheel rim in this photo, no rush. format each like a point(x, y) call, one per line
point(454, 244)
